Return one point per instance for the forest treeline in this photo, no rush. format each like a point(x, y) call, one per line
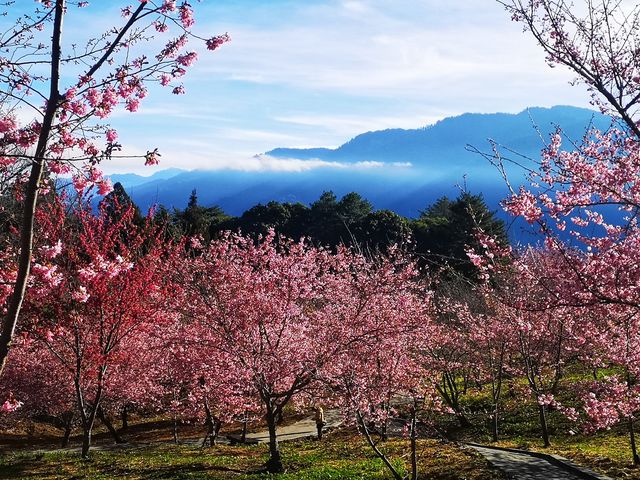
point(439, 236)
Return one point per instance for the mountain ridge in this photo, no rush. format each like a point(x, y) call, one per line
point(440, 162)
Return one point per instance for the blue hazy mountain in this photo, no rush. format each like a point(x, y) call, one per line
point(403, 170)
point(132, 179)
point(444, 140)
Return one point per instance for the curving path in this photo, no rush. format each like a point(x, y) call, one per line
point(524, 465)
point(305, 428)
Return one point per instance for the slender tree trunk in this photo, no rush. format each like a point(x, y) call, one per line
point(89, 419)
point(245, 426)
point(175, 429)
point(216, 432)
point(632, 441)
point(32, 190)
point(86, 440)
point(107, 423)
point(363, 428)
point(494, 424)
point(543, 425)
point(450, 395)
point(413, 438)
point(209, 423)
point(67, 434)
point(274, 464)
point(124, 417)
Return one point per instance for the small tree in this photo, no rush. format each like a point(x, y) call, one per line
point(104, 292)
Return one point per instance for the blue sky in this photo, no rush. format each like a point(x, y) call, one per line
point(316, 73)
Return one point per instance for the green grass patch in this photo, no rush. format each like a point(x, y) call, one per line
point(343, 456)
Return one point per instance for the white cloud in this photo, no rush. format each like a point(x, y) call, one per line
point(431, 51)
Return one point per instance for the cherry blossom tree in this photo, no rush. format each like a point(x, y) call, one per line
point(614, 347)
point(386, 314)
point(589, 189)
point(279, 315)
point(258, 305)
point(38, 380)
point(55, 95)
point(109, 288)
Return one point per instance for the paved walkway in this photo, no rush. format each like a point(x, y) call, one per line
point(522, 466)
point(304, 428)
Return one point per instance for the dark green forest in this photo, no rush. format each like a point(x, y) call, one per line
point(438, 237)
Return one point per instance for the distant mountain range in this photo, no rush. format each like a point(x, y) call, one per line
point(402, 170)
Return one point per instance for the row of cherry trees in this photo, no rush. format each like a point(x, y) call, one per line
point(118, 316)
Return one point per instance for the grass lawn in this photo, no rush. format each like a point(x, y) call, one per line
point(342, 456)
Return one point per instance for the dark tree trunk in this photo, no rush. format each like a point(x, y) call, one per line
point(245, 426)
point(86, 440)
point(32, 190)
point(210, 424)
point(175, 429)
point(365, 431)
point(88, 413)
point(67, 434)
point(124, 417)
point(494, 424)
point(107, 423)
point(543, 425)
point(216, 431)
point(274, 464)
point(632, 441)
point(414, 451)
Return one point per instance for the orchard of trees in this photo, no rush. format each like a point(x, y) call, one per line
point(106, 311)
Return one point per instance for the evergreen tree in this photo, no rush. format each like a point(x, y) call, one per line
point(196, 220)
point(445, 230)
point(381, 229)
point(118, 201)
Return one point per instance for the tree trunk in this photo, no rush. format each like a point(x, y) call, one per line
point(495, 417)
point(216, 431)
point(494, 425)
point(31, 192)
point(88, 420)
point(274, 464)
point(105, 420)
point(543, 425)
point(124, 417)
point(86, 440)
point(414, 452)
point(632, 441)
point(209, 423)
point(365, 431)
point(245, 426)
point(175, 429)
point(67, 434)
